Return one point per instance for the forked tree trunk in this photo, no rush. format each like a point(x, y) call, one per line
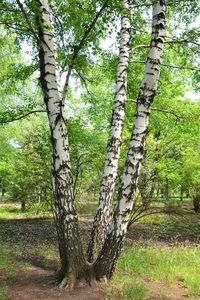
point(106, 261)
point(104, 210)
point(73, 265)
point(73, 262)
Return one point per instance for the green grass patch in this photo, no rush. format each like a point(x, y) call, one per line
point(13, 211)
point(170, 264)
point(9, 211)
point(126, 288)
point(47, 254)
point(8, 261)
point(3, 292)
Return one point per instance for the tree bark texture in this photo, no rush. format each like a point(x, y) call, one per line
point(106, 261)
point(73, 263)
point(104, 210)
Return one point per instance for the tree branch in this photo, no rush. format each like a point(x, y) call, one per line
point(24, 116)
point(84, 82)
point(28, 21)
point(187, 41)
point(139, 47)
point(159, 109)
point(180, 67)
point(150, 4)
point(168, 66)
point(80, 45)
point(14, 27)
point(59, 6)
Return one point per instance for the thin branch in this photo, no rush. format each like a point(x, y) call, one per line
point(59, 6)
point(167, 112)
point(159, 109)
point(187, 41)
point(80, 45)
point(180, 67)
point(145, 215)
point(168, 66)
point(61, 31)
point(150, 4)
point(24, 116)
point(14, 27)
point(195, 43)
point(84, 82)
point(28, 21)
point(139, 47)
point(140, 5)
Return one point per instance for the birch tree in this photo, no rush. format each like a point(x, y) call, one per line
point(104, 210)
point(118, 228)
point(74, 265)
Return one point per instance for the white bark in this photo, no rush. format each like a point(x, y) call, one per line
point(71, 253)
point(118, 228)
point(147, 92)
point(105, 206)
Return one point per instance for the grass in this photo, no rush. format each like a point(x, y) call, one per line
point(9, 211)
point(8, 265)
point(126, 288)
point(13, 210)
point(3, 292)
point(139, 265)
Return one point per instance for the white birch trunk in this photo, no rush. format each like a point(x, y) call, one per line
point(105, 263)
point(71, 254)
point(104, 210)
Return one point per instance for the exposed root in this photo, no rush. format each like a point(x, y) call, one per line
point(64, 283)
point(72, 279)
point(81, 282)
point(104, 279)
point(68, 281)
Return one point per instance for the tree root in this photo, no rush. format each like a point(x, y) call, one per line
point(63, 283)
point(71, 279)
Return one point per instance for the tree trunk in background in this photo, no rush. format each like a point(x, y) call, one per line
point(104, 210)
point(73, 265)
point(23, 204)
point(106, 261)
point(3, 192)
point(181, 198)
point(167, 191)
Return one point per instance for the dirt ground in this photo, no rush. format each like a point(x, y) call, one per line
point(36, 281)
point(39, 284)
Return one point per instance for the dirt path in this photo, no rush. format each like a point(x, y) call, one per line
point(38, 284)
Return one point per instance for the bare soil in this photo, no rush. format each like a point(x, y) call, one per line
point(36, 283)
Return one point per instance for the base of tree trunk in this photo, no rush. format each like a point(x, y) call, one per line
point(71, 278)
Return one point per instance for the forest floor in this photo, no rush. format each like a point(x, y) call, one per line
point(161, 259)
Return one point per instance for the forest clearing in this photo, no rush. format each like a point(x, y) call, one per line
point(99, 149)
